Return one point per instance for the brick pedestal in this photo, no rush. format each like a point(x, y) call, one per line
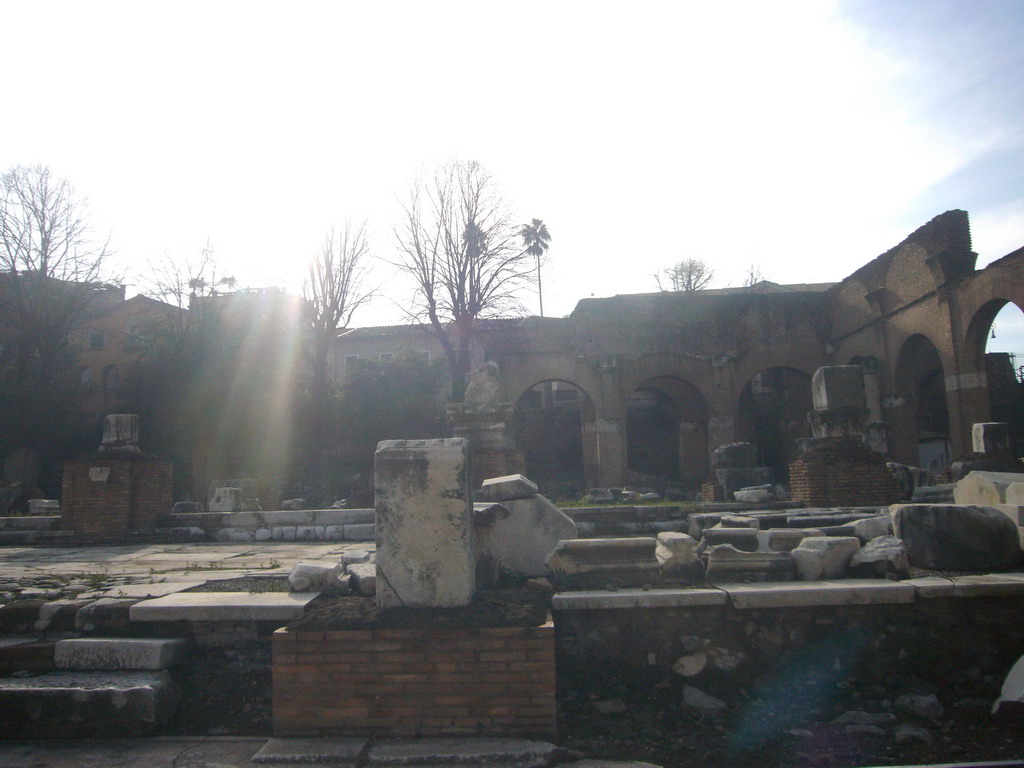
point(411, 682)
point(110, 495)
point(841, 473)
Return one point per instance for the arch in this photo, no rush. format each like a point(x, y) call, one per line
point(1004, 389)
point(920, 415)
point(772, 413)
point(553, 422)
point(85, 378)
point(667, 433)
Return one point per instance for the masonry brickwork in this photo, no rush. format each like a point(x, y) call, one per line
point(134, 490)
point(842, 472)
point(415, 682)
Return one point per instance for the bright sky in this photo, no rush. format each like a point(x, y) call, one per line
point(802, 137)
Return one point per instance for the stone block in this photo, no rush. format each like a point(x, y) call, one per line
point(957, 537)
point(506, 488)
point(985, 488)
point(467, 750)
point(522, 541)
point(263, 534)
point(283, 533)
point(991, 437)
point(838, 387)
point(726, 564)
point(43, 507)
point(744, 539)
point(1015, 494)
point(364, 578)
point(584, 600)
point(223, 606)
point(424, 523)
point(739, 521)
point(186, 507)
point(591, 563)
point(760, 494)
point(824, 557)
point(819, 593)
point(871, 528)
point(783, 539)
point(125, 653)
point(882, 557)
point(226, 500)
point(86, 704)
point(360, 532)
point(334, 533)
point(676, 553)
point(310, 532)
point(734, 456)
point(314, 577)
point(934, 494)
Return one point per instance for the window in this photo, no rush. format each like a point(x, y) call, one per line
point(134, 340)
point(96, 340)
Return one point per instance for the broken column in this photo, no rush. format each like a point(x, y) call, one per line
point(424, 523)
point(839, 405)
point(836, 467)
point(484, 423)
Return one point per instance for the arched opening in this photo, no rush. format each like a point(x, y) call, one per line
point(995, 342)
point(921, 418)
point(772, 414)
point(666, 433)
point(549, 421)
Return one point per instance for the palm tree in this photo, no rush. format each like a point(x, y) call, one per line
point(535, 239)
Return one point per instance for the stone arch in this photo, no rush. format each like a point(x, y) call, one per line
point(919, 411)
point(772, 413)
point(1004, 382)
point(553, 421)
point(667, 432)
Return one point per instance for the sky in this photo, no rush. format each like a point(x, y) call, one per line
point(802, 138)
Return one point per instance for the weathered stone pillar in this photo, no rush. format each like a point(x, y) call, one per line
point(424, 523)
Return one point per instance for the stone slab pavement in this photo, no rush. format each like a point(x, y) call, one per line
point(160, 563)
point(238, 752)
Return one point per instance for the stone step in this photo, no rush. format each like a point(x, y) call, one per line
point(85, 704)
point(409, 753)
point(31, 654)
point(119, 653)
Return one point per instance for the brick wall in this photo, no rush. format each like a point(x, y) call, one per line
point(136, 490)
point(840, 473)
point(408, 682)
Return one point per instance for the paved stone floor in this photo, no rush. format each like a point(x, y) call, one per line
point(104, 568)
point(131, 753)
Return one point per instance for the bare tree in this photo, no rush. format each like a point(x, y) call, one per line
point(687, 275)
point(179, 282)
point(51, 270)
point(335, 288)
point(459, 244)
point(753, 279)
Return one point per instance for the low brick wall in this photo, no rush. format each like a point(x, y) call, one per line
point(409, 682)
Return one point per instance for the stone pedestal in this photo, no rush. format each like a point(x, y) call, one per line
point(424, 523)
point(485, 426)
point(991, 437)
